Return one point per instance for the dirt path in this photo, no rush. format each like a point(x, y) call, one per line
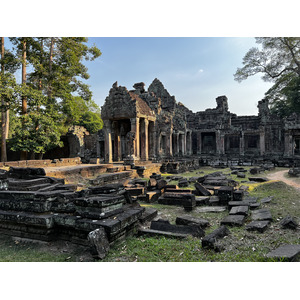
point(280, 175)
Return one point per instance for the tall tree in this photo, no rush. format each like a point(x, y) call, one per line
point(3, 111)
point(278, 61)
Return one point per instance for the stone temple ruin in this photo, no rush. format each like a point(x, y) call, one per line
point(141, 125)
point(146, 133)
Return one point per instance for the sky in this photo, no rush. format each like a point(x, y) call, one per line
point(195, 70)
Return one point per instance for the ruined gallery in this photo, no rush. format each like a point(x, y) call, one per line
point(141, 125)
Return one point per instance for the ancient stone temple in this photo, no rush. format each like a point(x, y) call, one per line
point(141, 125)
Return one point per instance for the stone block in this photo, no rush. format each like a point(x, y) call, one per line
point(148, 214)
point(210, 240)
point(267, 199)
point(289, 222)
point(258, 179)
point(152, 196)
point(202, 191)
point(238, 195)
point(213, 209)
point(164, 225)
point(285, 253)
point(183, 183)
point(189, 220)
point(135, 191)
point(239, 210)
point(259, 226)
point(99, 242)
point(214, 200)
point(233, 220)
point(202, 200)
point(261, 215)
point(225, 194)
point(152, 232)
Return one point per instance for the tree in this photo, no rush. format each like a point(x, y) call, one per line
point(279, 62)
point(7, 82)
point(52, 87)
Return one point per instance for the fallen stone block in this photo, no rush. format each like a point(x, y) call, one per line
point(202, 200)
point(241, 175)
point(285, 253)
point(258, 179)
point(152, 232)
point(238, 195)
point(99, 242)
point(164, 225)
point(260, 226)
point(267, 199)
point(214, 200)
point(225, 194)
point(152, 196)
point(210, 240)
point(189, 220)
point(289, 222)
point(202, 191)
point(135, 191)
point(214, 209)
point(161, 183)
point(233, 220)
point(148, 214)
point(239, 210)
point(261, 215)
point(183, 183)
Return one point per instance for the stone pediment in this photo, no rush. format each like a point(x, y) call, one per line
point(124, 104)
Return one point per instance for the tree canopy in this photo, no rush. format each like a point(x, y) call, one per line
point(278, 61)
point(53, 95)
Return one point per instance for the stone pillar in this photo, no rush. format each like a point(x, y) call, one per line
point(288, 144)
point(222, 144)
point(135, 128)
point(242, 144)
point(184, 143)
point(262, 143)
point(144, 140)
point(107, 141)
point(169, 151)
point(199, 143)
point(177, 143)
point(117, 142)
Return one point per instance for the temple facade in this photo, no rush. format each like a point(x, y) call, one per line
point(141, 125)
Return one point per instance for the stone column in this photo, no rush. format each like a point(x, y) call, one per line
point(242, 144)
point(222, 144)
point(184, 143)
point(144, 140)
point(262, 143)
point(169, 151)
point(288, 143)
point(135, 128)
point(199, 142)
point(107, 141)
point(117, 142)
point(152, 140)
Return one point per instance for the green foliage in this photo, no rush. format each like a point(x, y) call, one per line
point(56, 95)
point(35, 132)
point(278, 61)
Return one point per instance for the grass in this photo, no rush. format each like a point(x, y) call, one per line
point(239, 246)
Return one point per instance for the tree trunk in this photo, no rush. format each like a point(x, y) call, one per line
point(50, 68)
point(24, 99)
point(23, 155)
point(3, 113)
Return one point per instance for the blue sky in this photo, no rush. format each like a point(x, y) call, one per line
point(194, 70)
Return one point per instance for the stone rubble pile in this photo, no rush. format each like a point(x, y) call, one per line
point(34, 206)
